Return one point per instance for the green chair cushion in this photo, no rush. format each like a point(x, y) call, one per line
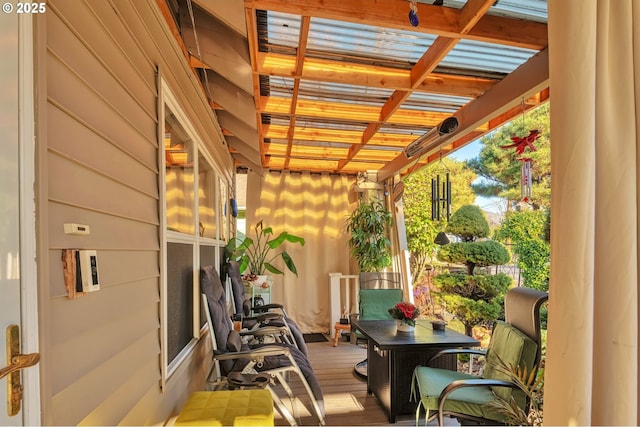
point(470, 401)
point(375, 303)
point(513, 348)
point(508, 344)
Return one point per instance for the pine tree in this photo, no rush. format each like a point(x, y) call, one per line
point(473, 298)
point(500, 167)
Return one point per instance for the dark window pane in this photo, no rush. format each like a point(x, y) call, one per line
point(179, 297)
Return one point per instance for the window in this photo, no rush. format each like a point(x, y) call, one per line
point(192, 228)
point(206, 199)
point(179, 175)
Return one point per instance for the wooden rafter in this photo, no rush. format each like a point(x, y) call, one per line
point(532, 102)
point(302, 49)
point(327, 130)
point(350, 73)
point(442, 21)
point(252, 40)
point(529, 79)
point(348, 112)
point(469, 16)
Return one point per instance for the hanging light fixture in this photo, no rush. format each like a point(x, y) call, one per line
point(427, 141)
point(441, 239)
point(413, 13)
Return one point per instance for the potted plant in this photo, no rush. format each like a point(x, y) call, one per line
point(370, 246)
point(406, 314)
point(256, 255)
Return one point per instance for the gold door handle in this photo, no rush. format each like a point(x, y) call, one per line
point(12, 372)
point(20, 361)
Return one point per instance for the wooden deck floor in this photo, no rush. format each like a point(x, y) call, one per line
point(345, 394)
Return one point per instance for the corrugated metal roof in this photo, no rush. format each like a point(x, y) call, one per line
point(381, 46)
point(434, 102)
point(530, 10)
point(360, 98)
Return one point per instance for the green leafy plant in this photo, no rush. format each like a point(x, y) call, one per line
point(527, 232)
point(472, 298)
point(257, 254)
point(421, 229)
point(501, 169)
point(370, 246)
point(532, 385)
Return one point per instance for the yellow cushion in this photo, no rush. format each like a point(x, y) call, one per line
point(228, 408)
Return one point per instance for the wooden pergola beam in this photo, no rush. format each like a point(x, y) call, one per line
point(348, 112)
point(471, 13)
point(450, 25)
point(302, 49)
point(438, 20)
point(252, 40)
point(344, 72)
point(531, 78)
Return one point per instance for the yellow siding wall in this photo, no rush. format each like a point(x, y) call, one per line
point(98, 89)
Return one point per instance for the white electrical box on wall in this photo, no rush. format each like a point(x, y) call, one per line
point(89, 271)
point(77, 229)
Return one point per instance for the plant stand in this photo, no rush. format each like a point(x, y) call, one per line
point(255, 289)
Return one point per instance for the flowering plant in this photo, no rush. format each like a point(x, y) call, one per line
point(405, 312)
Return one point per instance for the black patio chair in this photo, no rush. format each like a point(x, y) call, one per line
point(263, 315)
point(230, 355)
point(515, 343)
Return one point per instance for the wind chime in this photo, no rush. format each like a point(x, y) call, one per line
point(520, 145)
point(441, 196)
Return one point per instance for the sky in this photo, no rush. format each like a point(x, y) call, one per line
point(469, 151)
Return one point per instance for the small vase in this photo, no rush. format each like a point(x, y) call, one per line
point(404, 327)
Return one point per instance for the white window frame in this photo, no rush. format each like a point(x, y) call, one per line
point(166, 98)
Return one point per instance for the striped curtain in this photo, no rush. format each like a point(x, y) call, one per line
point(592, 352)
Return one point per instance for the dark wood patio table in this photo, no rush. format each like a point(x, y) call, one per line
point(392, 357)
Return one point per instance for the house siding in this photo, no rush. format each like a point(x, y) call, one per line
point(98, 131)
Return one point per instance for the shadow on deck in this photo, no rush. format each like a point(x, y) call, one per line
point(345, 394)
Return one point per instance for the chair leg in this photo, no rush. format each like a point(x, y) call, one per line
point(282, 409)
point(284, 383)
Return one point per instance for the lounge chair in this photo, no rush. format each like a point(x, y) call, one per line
point(514, 343)
point(265, 315)
point(280, 361)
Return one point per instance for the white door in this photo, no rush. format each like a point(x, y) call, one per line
point(19, 388)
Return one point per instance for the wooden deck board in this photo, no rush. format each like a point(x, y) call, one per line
point(345, 394)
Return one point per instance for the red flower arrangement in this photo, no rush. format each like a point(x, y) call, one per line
point(405, 312)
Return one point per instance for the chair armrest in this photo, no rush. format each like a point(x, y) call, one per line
point(458, 384)
point(456, 351)
point(256, 353)
point(266, 307)
point(264, 317)
point(265, 331)
point(272, 305)
point(479, 382)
